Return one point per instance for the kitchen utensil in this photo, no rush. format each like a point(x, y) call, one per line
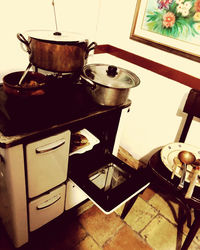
point(107, 84)
point(24, 74)
point(196, 166)
point(171, 150)
point(56, 51)
point(11, 84)
point(177, 163)
point(186, 158)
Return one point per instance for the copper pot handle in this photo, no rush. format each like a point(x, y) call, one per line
point(22, 39)
point(90, 47)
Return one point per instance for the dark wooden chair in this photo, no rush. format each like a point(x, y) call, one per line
point(160, 177)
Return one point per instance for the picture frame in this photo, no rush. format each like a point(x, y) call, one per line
point(164, 25)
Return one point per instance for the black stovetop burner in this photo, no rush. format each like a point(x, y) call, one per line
point(62, 102)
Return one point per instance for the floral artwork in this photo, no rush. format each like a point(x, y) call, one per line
point(170, 25)
point(178, 19)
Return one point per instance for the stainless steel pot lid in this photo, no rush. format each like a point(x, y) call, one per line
point(50, 35)
point(110, 76)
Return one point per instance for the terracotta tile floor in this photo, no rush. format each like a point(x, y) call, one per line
point(150, 224)
point(154, 219)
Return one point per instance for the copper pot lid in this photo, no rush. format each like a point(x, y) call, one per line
point(50, 35)
point(110, 76)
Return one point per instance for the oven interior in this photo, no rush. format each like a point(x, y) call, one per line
point(108, 177)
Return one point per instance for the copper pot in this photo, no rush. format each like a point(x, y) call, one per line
point(11, 87)
point(56, 51)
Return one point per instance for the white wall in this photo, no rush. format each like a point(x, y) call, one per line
point(155, 114)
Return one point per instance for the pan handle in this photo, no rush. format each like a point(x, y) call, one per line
point(22, 39)
point(87, 81)
point(90, 47)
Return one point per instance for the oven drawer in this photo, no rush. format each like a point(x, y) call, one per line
point(107, 181)
point(47, 163)
point(46, 208)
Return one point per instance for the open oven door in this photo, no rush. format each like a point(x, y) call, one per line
point(107, 181)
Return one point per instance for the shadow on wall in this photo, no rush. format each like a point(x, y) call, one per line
point(179, 113)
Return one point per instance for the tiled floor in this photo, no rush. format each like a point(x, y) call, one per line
point(153, 219)
point(150, 224)
point(91, 229)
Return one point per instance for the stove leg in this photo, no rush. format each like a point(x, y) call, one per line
point(128, 207)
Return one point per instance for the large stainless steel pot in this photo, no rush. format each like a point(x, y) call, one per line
point(107, 84)
point(56, 51)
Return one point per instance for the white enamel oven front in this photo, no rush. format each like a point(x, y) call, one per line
point(106, 180)
point(46, 207)
point(47, 163)
point(47, 167)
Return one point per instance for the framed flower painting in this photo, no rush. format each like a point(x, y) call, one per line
point(171, 25)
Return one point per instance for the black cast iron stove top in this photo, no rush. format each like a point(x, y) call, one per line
point(26, 115)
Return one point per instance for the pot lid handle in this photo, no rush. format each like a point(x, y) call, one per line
point(57, 33)
point(112, 71)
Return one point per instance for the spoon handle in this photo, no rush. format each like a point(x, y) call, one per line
point(177, 163)
point(25, 73)
point(181, 184)
point(192, 183)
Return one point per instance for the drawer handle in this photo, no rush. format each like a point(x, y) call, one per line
point(49, 202)
point(50, 147)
